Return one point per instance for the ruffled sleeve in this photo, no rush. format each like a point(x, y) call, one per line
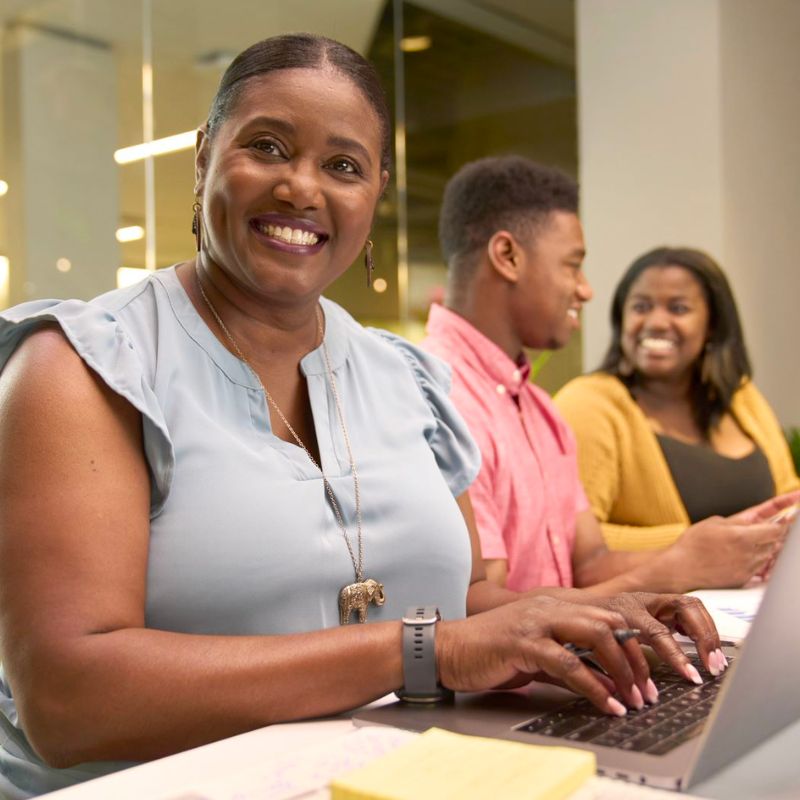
point(103, 344)
point(455, 450)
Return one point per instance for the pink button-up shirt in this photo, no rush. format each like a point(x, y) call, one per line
point(528, 493)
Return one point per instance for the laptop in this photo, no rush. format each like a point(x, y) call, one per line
point(690, 734)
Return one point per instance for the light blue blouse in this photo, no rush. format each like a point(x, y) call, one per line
point(242, 537)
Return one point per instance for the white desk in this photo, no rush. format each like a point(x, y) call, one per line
point(227, 769)
point(239, 768)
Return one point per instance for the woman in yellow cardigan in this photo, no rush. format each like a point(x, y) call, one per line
point(671, 429)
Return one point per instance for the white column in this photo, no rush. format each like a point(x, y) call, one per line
point(760, 144)
point(59, 123)
point(690, 134)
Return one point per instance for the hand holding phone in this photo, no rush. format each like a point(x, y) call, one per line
point(786, 514)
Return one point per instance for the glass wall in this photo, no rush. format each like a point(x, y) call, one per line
point(81, 81)
point(482, 84)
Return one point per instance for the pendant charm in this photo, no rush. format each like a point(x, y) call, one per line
point(356, 597)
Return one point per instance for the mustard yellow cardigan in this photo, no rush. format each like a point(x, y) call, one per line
point(624, 472)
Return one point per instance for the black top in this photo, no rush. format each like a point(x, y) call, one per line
point(710, 483)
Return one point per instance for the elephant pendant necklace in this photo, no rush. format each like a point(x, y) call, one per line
point(358, 595)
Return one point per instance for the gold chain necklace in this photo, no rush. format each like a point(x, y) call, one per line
point(355, 596)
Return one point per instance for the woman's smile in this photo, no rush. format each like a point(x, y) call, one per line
point(657, 346)
point(289, 235)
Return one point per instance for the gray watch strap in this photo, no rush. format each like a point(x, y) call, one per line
point(419, 657)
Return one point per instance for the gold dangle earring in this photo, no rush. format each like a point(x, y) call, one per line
point(197, 223)
point(369, 262)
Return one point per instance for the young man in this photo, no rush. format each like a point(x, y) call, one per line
point(511, 236)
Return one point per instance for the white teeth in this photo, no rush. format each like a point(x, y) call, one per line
point(573, 312)
point(660, 345)
point(289, 235)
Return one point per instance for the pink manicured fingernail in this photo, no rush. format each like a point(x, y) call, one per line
point(615, 707)
point(723, 660)
point(692, 674)
point(638, 702)
point(714, 663)
point(650, 692)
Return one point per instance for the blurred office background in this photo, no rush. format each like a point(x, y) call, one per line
point(679, 117)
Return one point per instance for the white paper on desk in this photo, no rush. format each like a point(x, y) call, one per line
point(303, 773)
point(732, 610)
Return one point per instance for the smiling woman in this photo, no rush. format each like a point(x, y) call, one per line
point(206, 474)
point(671, 429)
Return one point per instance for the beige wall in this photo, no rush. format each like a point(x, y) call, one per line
point(760, 121)
point(688, 134)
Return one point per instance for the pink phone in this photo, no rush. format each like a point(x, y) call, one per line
point(786, 514)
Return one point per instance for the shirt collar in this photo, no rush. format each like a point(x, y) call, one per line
point(336, 340)
point(509, 376)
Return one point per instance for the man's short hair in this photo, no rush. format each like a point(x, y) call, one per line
point(500, 193)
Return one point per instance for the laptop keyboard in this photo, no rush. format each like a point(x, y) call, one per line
point(679, 715)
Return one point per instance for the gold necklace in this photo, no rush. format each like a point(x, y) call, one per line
point(355, 596)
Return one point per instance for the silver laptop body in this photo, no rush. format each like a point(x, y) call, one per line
point(757, 699)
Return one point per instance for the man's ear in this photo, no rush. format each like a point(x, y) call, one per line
point(201, 153)
point(504, 255)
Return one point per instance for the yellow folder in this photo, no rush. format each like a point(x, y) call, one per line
point(443, 765)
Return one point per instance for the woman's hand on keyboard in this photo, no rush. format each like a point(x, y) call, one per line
point(658, 616)
point(517, 642)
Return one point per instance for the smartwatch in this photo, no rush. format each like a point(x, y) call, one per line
point(420, 684)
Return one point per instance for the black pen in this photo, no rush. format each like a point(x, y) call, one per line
point(620, 634)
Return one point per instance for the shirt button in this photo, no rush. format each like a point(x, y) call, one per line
point(517, 375)
point(501, 389)
point(556, 540)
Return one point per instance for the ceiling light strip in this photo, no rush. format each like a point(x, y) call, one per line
point(131, 233)
point(158, 147)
